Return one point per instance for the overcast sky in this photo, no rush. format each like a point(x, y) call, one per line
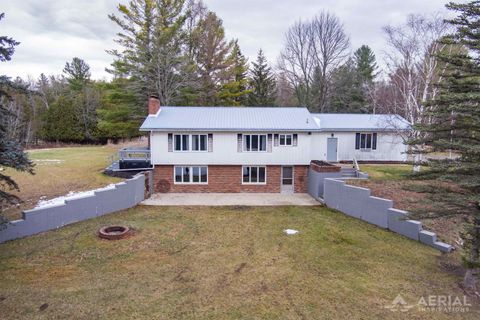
point(52, 32)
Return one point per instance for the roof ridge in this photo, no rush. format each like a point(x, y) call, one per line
point(235, 107)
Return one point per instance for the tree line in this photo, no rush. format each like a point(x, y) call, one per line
point(178, 51)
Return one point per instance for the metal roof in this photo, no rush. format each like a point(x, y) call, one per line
point(230, 119)
point(267, 119)
point(360, 122)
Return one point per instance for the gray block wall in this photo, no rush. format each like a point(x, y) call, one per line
point(124, 195)
point(358, 203)
point(315, 181)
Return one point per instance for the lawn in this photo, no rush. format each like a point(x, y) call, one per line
point(58, 171)
point(222, 263)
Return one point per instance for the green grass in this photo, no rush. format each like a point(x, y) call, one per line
point(221, 263)
point(74, 169)
point(387, 171)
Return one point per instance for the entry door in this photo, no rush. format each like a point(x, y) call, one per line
point(287, 179)
point(332, 149)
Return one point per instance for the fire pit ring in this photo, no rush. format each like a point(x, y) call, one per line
point(114, 232)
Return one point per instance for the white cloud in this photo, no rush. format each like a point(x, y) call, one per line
point(52, 32)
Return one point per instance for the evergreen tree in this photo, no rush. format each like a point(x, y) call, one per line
point(212, 59)
point(78, 73)
point(366, 64)
point(235, 91)
point(455, 126)
point(116, 117)
point(61, 122)
point(84, 96)
point(262, 83)
point(152, 39)
point(347, 92)
point(11, 152)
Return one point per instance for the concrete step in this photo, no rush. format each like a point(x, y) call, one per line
point(346, 175)
point(442, 246)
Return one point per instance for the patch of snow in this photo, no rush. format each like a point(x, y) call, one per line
point(290, 231)
point(69, 196)
point(43, 162)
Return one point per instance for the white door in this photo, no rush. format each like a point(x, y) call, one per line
point(332, 149)
point(287, 179)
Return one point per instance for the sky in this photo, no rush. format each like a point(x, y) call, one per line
point(52, 32)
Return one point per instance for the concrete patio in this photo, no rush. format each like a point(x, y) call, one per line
point(230, 199)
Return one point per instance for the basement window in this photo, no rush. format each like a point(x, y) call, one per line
point(191, 175)
point(254, 175)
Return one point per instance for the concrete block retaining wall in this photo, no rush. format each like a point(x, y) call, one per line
point(357, 202)
point(315, 181)
point(122, 196)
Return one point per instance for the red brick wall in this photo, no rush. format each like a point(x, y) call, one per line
point(301, 179)
point(226, 179)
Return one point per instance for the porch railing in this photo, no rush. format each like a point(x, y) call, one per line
point(133, 154)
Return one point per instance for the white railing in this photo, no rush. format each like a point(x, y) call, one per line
point(355, 164)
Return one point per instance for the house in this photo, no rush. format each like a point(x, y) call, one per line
point(259, 149)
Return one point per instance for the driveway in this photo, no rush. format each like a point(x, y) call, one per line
point(230, 199)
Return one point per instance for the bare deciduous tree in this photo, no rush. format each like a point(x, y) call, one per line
point(312, 49)
point(413, 67)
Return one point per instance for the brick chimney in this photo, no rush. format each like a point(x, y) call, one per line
point(153, 105)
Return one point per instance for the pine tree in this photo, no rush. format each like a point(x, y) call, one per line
point(212, 59)
point(366, 63)
point(235, 91)
point(347, 90)
point(116, 117)
point(84, 96)
point(454, 126)
point(78, 73)
point(151, 52)
point(11, 151)
point(262, 83)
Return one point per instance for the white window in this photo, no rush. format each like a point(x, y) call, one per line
point(182, 142)
point(199, 142)
point(286, 140)
point(254, 142)
point(192, 175)
point(194, 142)
point(366, 141)
point(254, 175)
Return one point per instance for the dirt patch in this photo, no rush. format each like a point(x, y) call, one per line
point(240, 267)
point(43, 307)
point(410, 195)
point(451, 265)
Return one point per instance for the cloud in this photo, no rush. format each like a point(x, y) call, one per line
point(52, 32)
